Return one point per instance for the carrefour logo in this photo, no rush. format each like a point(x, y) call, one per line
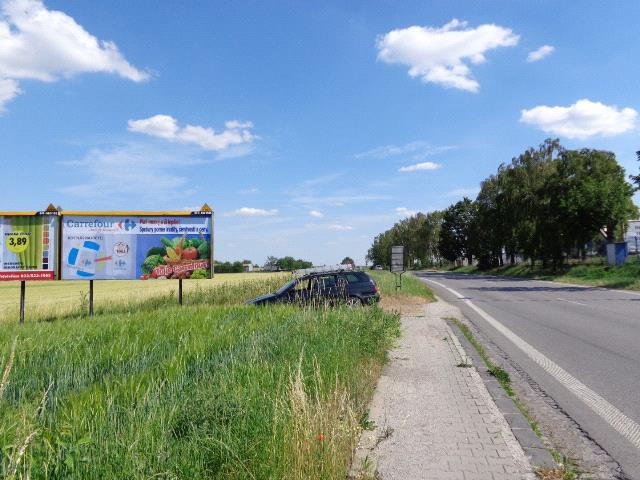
point(127, 225)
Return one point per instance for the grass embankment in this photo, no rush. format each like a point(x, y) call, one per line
point(194, 392)
point(53, 300)
point(409, 299)
point(595, 273)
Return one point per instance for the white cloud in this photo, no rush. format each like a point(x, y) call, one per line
point(583, 119)
point(166, 127)
point(8, 90)
point(46, 45)
point(339, 228)
point(405, 212)
point(439, 55)
point(248, 191)
point(416, 150)
point(463, 192)
point(316, 214)
point(420, 167)
point(149, 173)
point(251, 212)
point(540, 53)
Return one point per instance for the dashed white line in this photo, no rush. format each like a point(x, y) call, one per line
point(609, 413)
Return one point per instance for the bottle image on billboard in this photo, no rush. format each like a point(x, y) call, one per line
point(83, 259)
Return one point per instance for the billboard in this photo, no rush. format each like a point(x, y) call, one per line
point(633, 236)
point(28, 247)
point(136, 246)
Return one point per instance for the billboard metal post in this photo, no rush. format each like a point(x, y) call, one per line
point(91, 298)
point(180, 291)
point(23, 287)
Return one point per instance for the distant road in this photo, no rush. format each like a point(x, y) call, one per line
point(580, 344)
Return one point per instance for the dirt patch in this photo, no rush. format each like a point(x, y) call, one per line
point(408, 305)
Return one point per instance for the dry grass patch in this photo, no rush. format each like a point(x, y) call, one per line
point(405, 305)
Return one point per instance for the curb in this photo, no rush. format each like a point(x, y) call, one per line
point(531, 444)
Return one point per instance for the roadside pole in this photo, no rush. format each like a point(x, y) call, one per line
point(23, 287)
point(180, 291)
point(91, 298)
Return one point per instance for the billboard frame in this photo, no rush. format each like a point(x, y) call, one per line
point(205, 210)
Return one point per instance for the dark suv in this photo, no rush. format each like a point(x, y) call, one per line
point(333, 287)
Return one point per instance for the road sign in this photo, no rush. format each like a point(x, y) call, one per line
point(397, 259)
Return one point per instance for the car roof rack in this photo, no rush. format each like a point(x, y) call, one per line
point(324, 269)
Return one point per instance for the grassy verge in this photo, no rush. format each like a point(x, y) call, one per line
point(411, 286)
point(410, 300)
point(597, 273)
point(192, 392)
point(567, 470)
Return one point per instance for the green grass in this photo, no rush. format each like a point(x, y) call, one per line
point(411, 285)
point(595, 273)
point(54, 300)
point(194, 392)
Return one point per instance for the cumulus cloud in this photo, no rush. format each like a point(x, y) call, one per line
point(405, 212)
point(440, 55)
point(252, 212)
point(540, 53)
point(46, 45)
point(339, 228)
point(316, 214)
point(581, 120)
point(166, 127)
point(417, 167)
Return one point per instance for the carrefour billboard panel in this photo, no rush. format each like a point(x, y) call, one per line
point(128, 247)
point(28, 247)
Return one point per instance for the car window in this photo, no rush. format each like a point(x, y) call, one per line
point(325, 281)
point(356, 278)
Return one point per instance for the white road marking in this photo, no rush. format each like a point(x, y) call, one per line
point(612, 415)
point(572, 301)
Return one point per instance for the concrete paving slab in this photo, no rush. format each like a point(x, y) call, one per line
point(435, 420)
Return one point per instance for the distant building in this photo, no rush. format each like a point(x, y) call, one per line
point(247, 266)
point(633, 236)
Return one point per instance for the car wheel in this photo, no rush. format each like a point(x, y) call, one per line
point(353, 302)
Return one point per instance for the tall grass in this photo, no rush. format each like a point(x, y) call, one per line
point(195, 392)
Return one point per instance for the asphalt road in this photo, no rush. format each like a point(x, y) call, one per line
point(580, 344)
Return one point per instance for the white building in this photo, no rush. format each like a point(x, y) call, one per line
point(633, 235)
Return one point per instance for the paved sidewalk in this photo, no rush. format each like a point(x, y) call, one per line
point(435, 420)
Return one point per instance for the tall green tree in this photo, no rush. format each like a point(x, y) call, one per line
point(457, 231)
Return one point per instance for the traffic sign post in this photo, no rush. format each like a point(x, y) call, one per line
point(398, 264)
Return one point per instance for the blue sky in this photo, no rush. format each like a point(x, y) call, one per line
point(308, 126)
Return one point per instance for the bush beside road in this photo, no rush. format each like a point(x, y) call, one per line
point(594, 273)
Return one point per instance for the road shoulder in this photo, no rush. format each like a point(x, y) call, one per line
point(434, 417)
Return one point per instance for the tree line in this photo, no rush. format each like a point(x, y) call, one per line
point(547, 204)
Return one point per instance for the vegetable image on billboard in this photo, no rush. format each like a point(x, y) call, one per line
point(141, 247)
